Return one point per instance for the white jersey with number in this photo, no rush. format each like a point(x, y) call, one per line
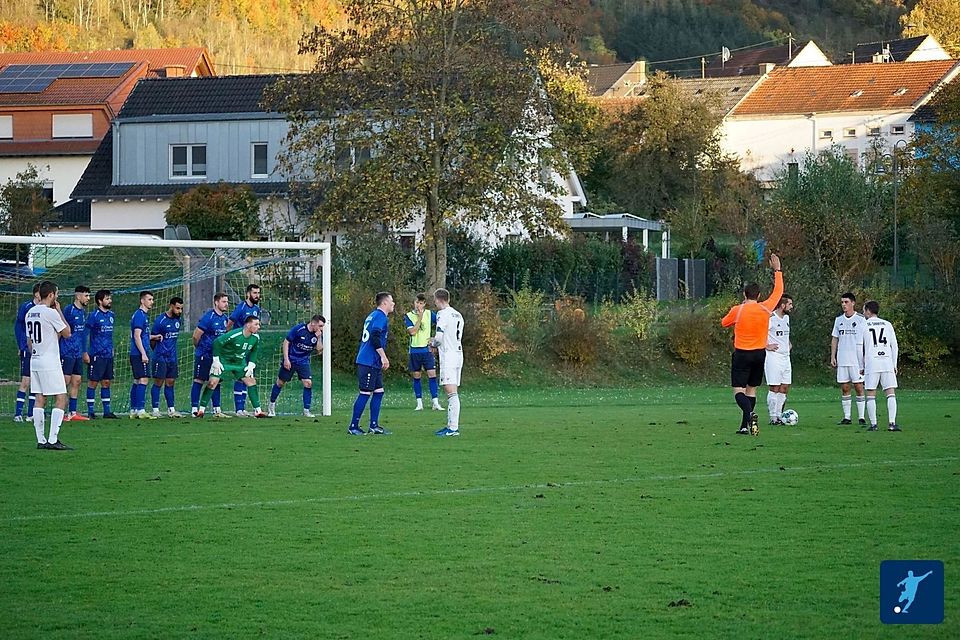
point(43, 326)
point(450, 334)
point(880, 346)
point(849, 335)
point(779, 333)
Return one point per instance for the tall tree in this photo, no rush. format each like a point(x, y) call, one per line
point(938, 18)
point(452, 110)
point(23, 206)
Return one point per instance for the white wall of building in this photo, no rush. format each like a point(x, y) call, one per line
point(929, 49)
point(129, 215)
point(810, 56)
point(62, 171)
point(763, 144)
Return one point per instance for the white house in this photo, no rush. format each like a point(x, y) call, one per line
point(798, 110)
point(915, 49)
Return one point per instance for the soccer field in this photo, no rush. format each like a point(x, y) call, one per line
point(561, 513)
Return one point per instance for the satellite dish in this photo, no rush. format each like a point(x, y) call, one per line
point(725, 54)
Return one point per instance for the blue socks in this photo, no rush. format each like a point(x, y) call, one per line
point(216, 397)
point(275, 392)
point(434, 388)
point(375, 408)
point(30, 402)
point(105, 399)
point(307, 398)
point(358, 406)
point(73, 405)
point(239, 395)
point(21, 399)
point(91, 400)
point(168, 394)
point(155, 396)
point(195, 393)
point(417, 388)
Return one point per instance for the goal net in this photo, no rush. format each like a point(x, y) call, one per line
point(294, 281)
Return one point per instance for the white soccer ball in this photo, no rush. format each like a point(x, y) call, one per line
point(789, 417)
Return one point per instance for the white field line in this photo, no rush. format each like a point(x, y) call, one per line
point(464, 491)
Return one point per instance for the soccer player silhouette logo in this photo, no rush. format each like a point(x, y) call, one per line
point(909, 592)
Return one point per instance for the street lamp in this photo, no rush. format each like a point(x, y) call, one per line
point(894, 158)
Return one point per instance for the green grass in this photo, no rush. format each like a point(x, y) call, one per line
point(561, 513)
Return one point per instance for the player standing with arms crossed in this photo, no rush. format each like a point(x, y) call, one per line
point(751, 322)
point(880, 353)
point(846, 355)
point(45, 324)
point(448, 344)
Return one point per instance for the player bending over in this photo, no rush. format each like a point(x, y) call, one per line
point(301, 342)
point(249, 307)
point(235, 357)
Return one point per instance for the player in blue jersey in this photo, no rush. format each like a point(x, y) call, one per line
point(250, 307)
point(73, 351)
point(420, 324)
point(100, 325)
point(212, 325)
point(164, 366)
point(20, 332)
point(371, 363)
point(140, 338)
point(301, 342)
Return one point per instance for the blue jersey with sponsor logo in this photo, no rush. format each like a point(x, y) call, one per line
point(100, 327)
point(213, 325)
point(244, 311)
point(169, 328)
point(375, 329)
point(19, 325)
point(140, 320)
point(76, 317)
point(303, 343)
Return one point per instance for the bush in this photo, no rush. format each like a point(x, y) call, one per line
point(217, 212)
point(526, 318)
point(637, 312)
point(690, 336)
point(484, 336)
point(577, 339)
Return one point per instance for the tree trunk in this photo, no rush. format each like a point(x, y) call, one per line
point(435, 247)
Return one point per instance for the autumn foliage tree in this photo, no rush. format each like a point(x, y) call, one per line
point(217, 212)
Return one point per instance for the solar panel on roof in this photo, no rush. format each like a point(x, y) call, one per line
point(35, 78)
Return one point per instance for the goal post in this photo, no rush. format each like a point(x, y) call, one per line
point(294, 278)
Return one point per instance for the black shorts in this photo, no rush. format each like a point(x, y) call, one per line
point(101, 368)
point(370, 378)
point(746, 367)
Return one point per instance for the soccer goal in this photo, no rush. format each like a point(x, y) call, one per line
point(294, 281)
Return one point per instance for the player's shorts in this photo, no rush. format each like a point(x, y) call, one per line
point(72, 366)
point(849, 374)
point(880, 380)
point(302, 369)
point(47, 383)
point(231, 372)
point(370, 378)
point(201, 367)
point(25, 364)
point(450, 374)
point(422, 360)
point(746, 367)
point(777, 369)
point(101, 368)
point(164, 369)
point(139, 367)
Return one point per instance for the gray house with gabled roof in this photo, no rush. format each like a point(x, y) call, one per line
point(174, 134)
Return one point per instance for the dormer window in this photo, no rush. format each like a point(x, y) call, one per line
point(188, 161)
point(857, 93)
point(900, 91)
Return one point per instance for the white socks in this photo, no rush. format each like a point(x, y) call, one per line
point(892, 409)
point(872, 409)
point(846, 402)
point(453, 412)
point(38, 425)
point(772, 402)
point(56, 420)
point(861, 402)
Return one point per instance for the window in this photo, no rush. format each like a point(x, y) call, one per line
point(6, 127)
point(73, 125)
point(47, 191)
point(826, 133)
point(873, 132)
point(897, 130)
point(260, 160)
point(188, 160)
point(408, 243)
point(850, 132)
point(853, 155)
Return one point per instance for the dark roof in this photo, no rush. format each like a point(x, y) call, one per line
point(601, 78)
point(72, 212)
point(98, 176)
point(925, 113)
point(899, 49)
point(189, 96)
point(747, 62)
point(730, 90)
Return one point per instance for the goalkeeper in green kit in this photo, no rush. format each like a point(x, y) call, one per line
point(235, 357)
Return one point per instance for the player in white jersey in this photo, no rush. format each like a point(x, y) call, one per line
point(776, 367)
point(846, 355)
point(880, 351)
point(448, 342)
point(45, 326)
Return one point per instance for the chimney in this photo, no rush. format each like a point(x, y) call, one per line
point(174, 71)
point(766, 67)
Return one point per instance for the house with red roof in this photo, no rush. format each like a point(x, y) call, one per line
point(56, 107)
point(858, 108)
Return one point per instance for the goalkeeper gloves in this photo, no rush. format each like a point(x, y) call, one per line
point(216, 367)
point(248, 370)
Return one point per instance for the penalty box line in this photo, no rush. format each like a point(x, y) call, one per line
point(468, 490)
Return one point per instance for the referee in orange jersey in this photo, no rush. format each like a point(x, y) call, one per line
point(751, 321)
